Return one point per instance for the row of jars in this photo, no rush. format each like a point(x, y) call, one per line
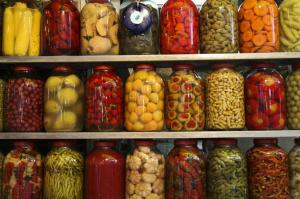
point(221, 101)
point(266, 171)
point(99, 29)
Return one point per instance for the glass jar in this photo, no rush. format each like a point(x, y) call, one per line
point(225, 98)
point(144, 100)
point(259, 26)
point(21, 29)
point(99, 28)
point(289, 20)
point(185, 100)
point(139, 28)
point(61, 28)
point(104, 172)
point(219, 27)
point(2, 92)
point(267, 170)
point(63, 172)
point(1, 172)
point(179, 31)
point(226, 171)
point(22, 172)
point(145, 171)
point(63, 100)
point(104, 100)
point(293, 98)
point(265, 98)
point(24, 101)
point(185, 171)
point(294, 169)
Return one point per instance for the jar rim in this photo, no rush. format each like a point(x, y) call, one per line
point(145, 142)
point(263, 65)
point(62, 68)
point(189, 142)
point(265, 141)
point(104, 67)
point(22, 143)
point(63, 143)
point(229, 141)
point(23, 68)
point(183, 66)
point(222, 65)
point(144, 66)
point(105, 143)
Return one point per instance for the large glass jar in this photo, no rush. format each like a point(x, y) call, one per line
point(225, 98)
point(293, 98)
point(226, 171)
point(139, 30)
point(179, 31)
point(219, 27)
point(24, 101)
point(294, 169)
point(145, 171)
point(265, 98)
point(185, 171)
point(267, 170)
point(22, 172)
point(289, 21)
point(99, 28)
point(144, 100)
point(185, 100)
point(2, 92)
point(21, 29)
point(60, 30)
point(104, 100)
point(259, 26)
point(104, 172)
point(63, 100)
point(63, 172)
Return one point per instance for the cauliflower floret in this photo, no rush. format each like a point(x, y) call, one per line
point(160, 171)
point(143, 189)
point(130, 188)
point(152, 196)
point(135, 197)
point(158, 186)
point(143, 156)
point(151, 165)
point(150, 178)
point(134, 162)
point(145, 149)
point(134, 177)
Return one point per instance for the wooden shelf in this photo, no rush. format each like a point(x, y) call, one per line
point(151, 58)
point(154, 135)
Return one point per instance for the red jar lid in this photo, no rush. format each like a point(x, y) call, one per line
point(145, 142)
point(23, 144)
point(297, 141)
point(144, 67)
point(266, 141)
point(23, 68)
point(185, 142)
point(183, 67)
point(225, 142)
point(222, 65)
point(63, 143)
point(104, 67)
point(62, 68)
point(105, 143)
point(264, 65)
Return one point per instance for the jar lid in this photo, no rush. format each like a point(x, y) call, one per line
point(23, 68)
point(263, 65)
point(225, 142)
point(105, 143)
point(62, 68)
point(23, 144)
point(144, 66)
point(222, 65)
point(63, 143)
point(145, 142)
point(185, 142)
point(266, 141)
point(182, 67)
point(103, 67)
point(297, 141)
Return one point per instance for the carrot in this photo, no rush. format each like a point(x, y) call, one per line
point(266, 49)
point(259, 39)
point(261, 9)
point(254, 18)
point(272, 44)
point(245, 50)
point(248, 15)
point(253, 50)
point(263, 32)
point(241, 13)
point(267, 20)
point(244, 26)
point(247, 36)
point(271, 37)
point(273, 10)
point(257, 24)
point(249, 4)
point(268, 28)
point(179, 27)
point(248, 44)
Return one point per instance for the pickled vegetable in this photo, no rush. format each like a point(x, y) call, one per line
point(64, 173)
point(294, 169)
point(2, 157)
point(219, 27)
point(226, 171)
point(2, 90)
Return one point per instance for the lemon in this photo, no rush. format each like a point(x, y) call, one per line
point(130, 78)
point(142, 75)
point(160, 105)
point(53, 83)
point(161, 95)
point(146, 89)
point(158, 116)
point(156, 87)
point(151, 126)
point(131, 106)
point(129, 126)
point(154, 98)
point(138, 126)
point(72, 81)
point(133, 117)
point(48, 122)
point(160, 125)
point(132, 96)
point(151, 79)
point(51, 106)
point(128, 87)
point(151, 107)
point(146, 117)
point(58, 124)
point(67, 96)
point(158, 79)
point(139, 110)
point(69, 119)
point(142, 100)
point(137, 85)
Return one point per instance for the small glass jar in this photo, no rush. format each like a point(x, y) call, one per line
point(144, 100)
point(294, 169)
point(185, 100)
point(24, 101)
point(259, 26)
point(293, 98)
point(225, 98)
point(104, 172)
point(63, 172)
point(21, 29)
point(226, 171)
point(99, 28)
point(22, 172)
point(63, 100)
point(267, 170)
point(104, 100)
point(139, 27)
point(185, 171)
point(265, 98)
point(61, 28)
point(179, 27)
point(145, 171)
point(219, 27)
